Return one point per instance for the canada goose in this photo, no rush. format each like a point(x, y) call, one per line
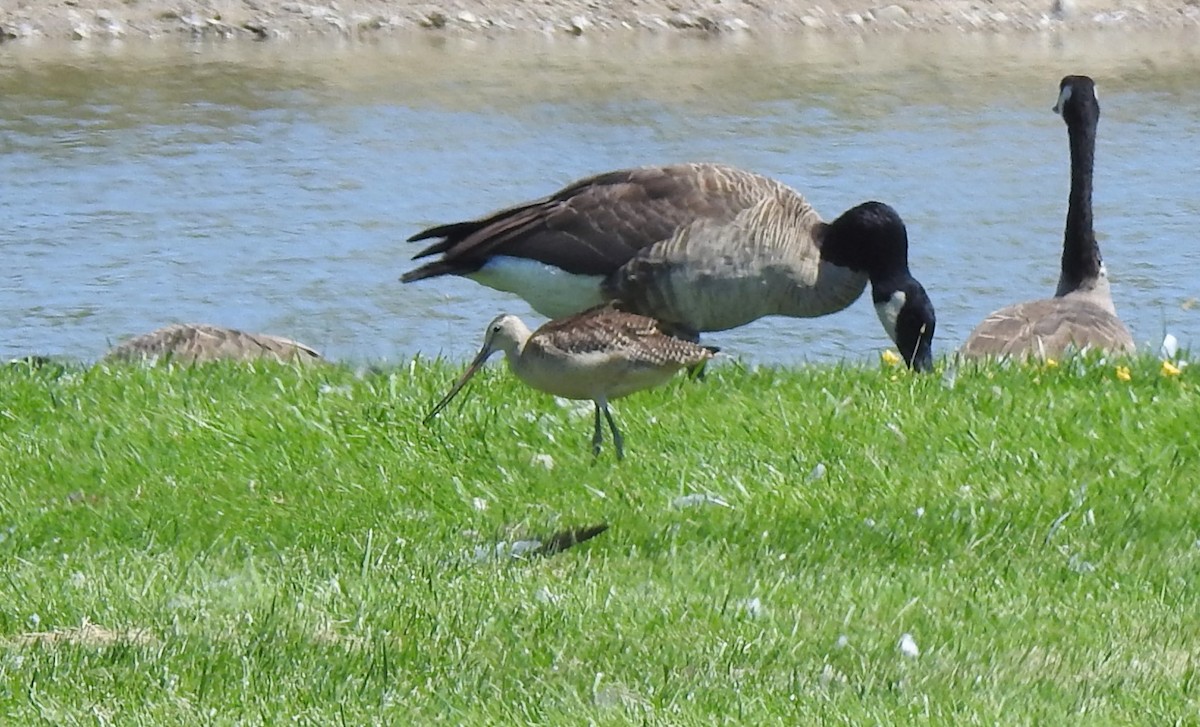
point(699, 247)
point(600, 354)
point(1081, 314)
point(194, 342)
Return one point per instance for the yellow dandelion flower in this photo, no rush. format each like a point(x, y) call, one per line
point(890, 357)
point(1123, 373)
point(1051, 363)
point(1170, 369)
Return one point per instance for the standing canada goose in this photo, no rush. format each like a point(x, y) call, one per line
point(699, 247)
point(194, 342)
point(600, 354)
point(1081, 314)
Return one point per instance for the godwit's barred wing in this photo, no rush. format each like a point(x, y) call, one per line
point(192, 342)
point(604, 329)
point(595, 225)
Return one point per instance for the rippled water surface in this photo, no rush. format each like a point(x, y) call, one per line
point(271, 187)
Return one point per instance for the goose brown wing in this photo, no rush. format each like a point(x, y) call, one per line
point(202, 342)
point(597, 224)
point(1049, 327)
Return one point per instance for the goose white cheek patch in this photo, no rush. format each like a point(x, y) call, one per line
point(1063, 97)
point(889, 311)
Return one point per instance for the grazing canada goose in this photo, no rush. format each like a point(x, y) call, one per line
point(699, 247)
point(194, 342)
point(1081, 314)
point(600, 354)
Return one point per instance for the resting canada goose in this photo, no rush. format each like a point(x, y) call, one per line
point(600, 354)
point(194, 342)
point(700, 247)
point(1081, 314)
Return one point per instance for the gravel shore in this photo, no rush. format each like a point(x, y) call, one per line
point(92, 20)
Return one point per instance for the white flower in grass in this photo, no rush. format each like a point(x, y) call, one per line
point(1170, 346)
point(842, 642)
point(908, 646)
point(950, 377)
point(542, 460)
point(753, 607)
point(831, 677)
point(696, 500)
point(1079, 565)
point(818, 472)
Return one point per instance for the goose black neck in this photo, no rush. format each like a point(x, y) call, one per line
point(870, 238)
point(1081, 255)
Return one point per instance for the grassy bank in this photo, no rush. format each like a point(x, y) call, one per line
point(228, 544)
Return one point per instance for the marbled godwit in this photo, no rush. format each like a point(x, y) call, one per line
point(193, 342)
point(1081, 314)
point(700, 247)
point(601, 354)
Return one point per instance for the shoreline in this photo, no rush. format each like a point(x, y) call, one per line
point(24, 22)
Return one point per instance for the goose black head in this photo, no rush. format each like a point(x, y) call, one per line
point(1078, 102)
point(907, 315)
point(872, 238)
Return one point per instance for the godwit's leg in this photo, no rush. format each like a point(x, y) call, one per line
point(618, 440)
point(597, 434)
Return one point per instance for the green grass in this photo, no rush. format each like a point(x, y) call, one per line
point(258, 545)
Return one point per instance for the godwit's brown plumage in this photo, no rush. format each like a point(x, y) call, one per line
point(600, 354)
point(702, 247)
point(195, 342)
point(1081, 314)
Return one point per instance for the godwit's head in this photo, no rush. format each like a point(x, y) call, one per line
point(505, 333)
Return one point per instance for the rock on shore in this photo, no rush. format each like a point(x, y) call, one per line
point(87, 20)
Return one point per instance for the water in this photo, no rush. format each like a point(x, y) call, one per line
point(271, 187)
